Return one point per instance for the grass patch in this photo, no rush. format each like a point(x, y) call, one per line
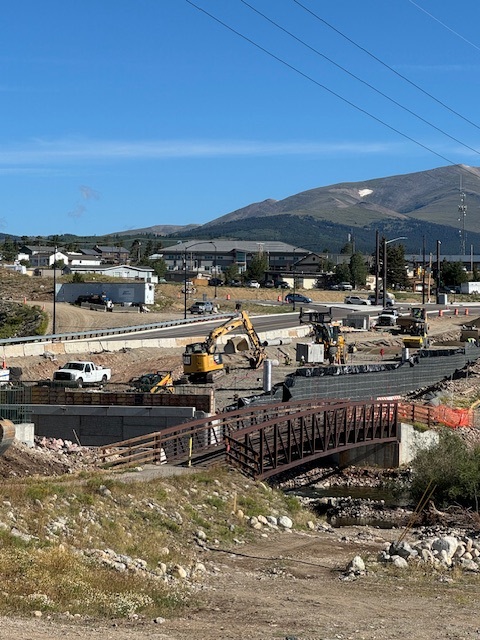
point(52, 564)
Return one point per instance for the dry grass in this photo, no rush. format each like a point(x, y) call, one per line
point(52, 527)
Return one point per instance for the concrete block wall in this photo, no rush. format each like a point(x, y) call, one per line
point(94, 426)
point(435, 366)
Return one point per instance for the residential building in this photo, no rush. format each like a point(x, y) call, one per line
point(114, 255)
point(114, 271)
point(213, 257)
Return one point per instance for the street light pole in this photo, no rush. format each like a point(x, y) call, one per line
point(385, 242)
point(439, 242)
point(54, 323)
point(384, 273)
point(294, 280)
point(423, 273)
point(185, 285)
point(185, 277)
point(215, 268)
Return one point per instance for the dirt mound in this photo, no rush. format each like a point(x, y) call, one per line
point(49, 457)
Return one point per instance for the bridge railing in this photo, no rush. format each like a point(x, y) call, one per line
point(191, 442)
point(284, 442)
point(188, 441)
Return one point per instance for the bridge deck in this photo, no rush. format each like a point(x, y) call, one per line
point(263, 441)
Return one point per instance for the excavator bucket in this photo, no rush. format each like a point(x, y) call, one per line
point(7, 434)
point(236, 344)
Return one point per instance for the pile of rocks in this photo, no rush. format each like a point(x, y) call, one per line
point(445, 552)
point(362, 511)
point(126, 564)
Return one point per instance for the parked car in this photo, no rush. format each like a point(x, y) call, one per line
point(202, 306)
point(254, 284)
point(236, 283)
point(269, 284)
point(215, 282)
point(297, 297)
point(356, 300)
point(389, 302)
point(281, 284)
point(345, 286)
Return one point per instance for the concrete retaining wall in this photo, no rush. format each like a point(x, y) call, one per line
point(25, 433)
point(412, 440)
point(391, 454)
point(99, 345)
point(101, 425)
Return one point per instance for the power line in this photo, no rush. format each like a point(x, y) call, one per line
point(325, 88)
point(397, 73)
point(459, 35)
point(364, 82)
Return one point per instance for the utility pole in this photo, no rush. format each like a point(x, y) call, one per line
point(423, 272)
point(462, 210)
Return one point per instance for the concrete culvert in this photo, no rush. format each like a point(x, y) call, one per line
point(236, 344)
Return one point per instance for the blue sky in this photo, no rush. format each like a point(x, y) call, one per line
point(122, 114)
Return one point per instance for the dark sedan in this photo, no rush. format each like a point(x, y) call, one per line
point(297, 297)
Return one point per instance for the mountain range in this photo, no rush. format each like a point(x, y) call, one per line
point(426, 204)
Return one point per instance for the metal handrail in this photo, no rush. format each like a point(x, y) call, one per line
point(79, 335)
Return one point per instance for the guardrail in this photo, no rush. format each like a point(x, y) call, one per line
point(94, 333)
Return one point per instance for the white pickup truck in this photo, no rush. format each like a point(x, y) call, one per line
point(82, 374)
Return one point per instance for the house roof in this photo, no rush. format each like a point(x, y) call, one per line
point(111, 268)
point(83, 256)
point(106, 249)
point(89, 252)
point(39, 249)
point(227, 246)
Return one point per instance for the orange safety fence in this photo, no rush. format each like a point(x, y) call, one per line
point(453, 417)
point(430, 415)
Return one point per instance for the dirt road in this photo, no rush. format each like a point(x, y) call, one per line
point(291, 586)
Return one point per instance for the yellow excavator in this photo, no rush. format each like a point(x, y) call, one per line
point(327, 332)
point(201, 361)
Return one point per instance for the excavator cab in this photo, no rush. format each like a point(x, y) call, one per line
point(201, 362)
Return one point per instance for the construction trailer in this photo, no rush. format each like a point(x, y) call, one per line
point(123, 293)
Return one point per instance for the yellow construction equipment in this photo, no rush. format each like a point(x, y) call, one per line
point(159, 382)
point(327, 332)
point(201, 361)
point(415, 325)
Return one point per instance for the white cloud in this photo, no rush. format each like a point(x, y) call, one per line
point(77, 150)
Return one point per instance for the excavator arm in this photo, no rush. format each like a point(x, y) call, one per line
point(218, 332)
point(200, 360)
point(259, 354)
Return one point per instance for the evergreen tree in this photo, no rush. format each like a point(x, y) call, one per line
point(396, 268)
point(343, 273)
point(358, 270)
point(452, 273)
point(257, 267)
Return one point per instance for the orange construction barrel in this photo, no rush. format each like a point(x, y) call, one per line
point(440, 313)
point(279, 298)
point(466, 312)
point(228, 296)
point(455, 312)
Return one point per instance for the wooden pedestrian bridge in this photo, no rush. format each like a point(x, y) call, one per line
point(263, 440)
